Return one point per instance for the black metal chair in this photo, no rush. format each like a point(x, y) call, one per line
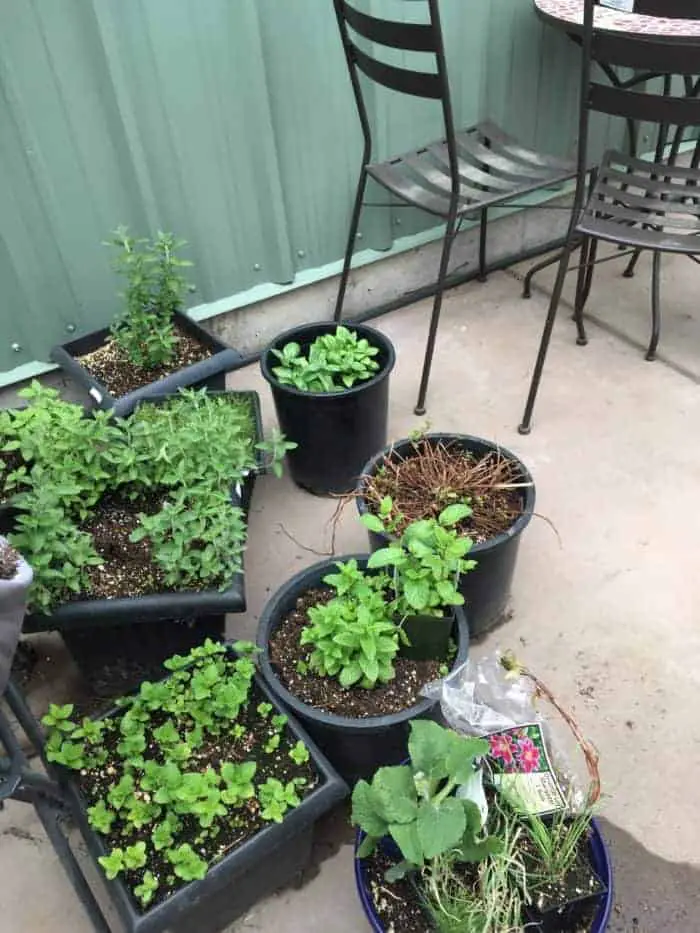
point(644, 205)
point(462, 174)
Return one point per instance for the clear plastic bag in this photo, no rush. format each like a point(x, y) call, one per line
point(487, 698)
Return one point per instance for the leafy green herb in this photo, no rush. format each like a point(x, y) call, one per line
point(155, 291)
point(186, 863)
point(427, 561)
point(353, 635)
point(276, 798)
point(334, 362)
point(147, 889)
point(299, 754)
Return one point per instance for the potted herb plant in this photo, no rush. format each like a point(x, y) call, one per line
point(334, 650)
point(15, 580)
point(196, 796)
point(153, 348)
point(424, 474)
point(330, 386)
point(135, 527)
point(438, 848)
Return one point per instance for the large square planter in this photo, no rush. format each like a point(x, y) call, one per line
point(273, 858)
point(117, 643)
point(210, 372)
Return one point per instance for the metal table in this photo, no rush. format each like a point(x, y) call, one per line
point(568, 15)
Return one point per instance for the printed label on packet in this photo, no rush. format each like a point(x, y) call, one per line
point(521, 766)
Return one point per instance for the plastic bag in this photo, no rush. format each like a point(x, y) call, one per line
point(483, 698)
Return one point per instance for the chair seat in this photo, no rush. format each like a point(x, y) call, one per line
point(649, 205)
point(493, 167)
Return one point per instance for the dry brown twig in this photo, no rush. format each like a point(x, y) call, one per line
point(510, 664)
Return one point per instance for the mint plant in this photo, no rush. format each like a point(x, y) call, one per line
point(155, 290)
point(427, 560)
point(353, 635)
point(334, 362)
point(174, 803)
point(416, 805)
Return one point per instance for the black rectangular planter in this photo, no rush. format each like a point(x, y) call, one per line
point(210, 372)
point(270, 860)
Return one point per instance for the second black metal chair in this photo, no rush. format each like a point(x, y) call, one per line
point(645, 205)
point(462, 174)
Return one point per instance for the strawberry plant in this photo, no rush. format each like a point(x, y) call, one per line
point(198, 758)
point(333, 362)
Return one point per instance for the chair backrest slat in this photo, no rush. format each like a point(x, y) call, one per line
point(413, 37)
point(652, 108)
point(416, 83)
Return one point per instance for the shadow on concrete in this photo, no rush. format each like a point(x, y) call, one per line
point(651, 894)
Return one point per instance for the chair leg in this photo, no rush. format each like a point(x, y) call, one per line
point(655, 306)
point(527, 281)
point(525, 425)
point(352, 235)
point(483, 225)
point(584, 280)
point(629, 268)
point(435, 317)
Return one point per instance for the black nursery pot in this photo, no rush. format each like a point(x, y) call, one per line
point(429, 637)
point(270, 860)
point(210, 372)
point(355, 747)
point(335, 431)
point(486, 588)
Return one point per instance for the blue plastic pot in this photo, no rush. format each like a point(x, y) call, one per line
point(600, 859)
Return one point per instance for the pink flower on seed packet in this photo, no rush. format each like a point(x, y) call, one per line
point(500, 747)
point(526, 744)
point(528, 758)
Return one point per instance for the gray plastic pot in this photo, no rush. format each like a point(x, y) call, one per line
point(486, 589)
point(13, 605)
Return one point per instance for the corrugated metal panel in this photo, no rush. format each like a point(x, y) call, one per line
point(231, 123)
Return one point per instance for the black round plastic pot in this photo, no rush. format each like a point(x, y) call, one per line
point(335, 431)
point(486, 589)
point(355, 747)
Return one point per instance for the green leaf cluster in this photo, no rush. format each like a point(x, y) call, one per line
point(427, 560)
point(334, 362)
point(354, 637)
point(155, 290)
point(416, 806)
point(196, 445)
point(157, 788)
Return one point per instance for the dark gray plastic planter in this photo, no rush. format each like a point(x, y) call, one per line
point(13, 603)
point(210, 372)
point(272, 859)
point(335, 432)
point(486, 589)
point(355, 747)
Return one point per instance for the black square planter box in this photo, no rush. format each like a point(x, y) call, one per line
point(273, 858)
point(210, 372)
point(117, 643)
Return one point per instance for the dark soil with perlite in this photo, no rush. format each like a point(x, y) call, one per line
point(110, 365)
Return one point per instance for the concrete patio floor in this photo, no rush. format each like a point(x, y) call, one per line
point(606, 610)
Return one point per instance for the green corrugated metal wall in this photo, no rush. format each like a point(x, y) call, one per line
point(230, 122)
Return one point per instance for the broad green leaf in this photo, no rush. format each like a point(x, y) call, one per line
point(386, 557)
point(440, 828)
point(454, 513)
point(405, 835)
point(366, 847)
point(370, 668)
point(428, 746)
point(372, 522)
point(398, 871)
point(417, 594)
point(477, 851)
point(448, 593)
point(461, 754)
point(350, 674)
point(395, 793)
point(365, 811)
